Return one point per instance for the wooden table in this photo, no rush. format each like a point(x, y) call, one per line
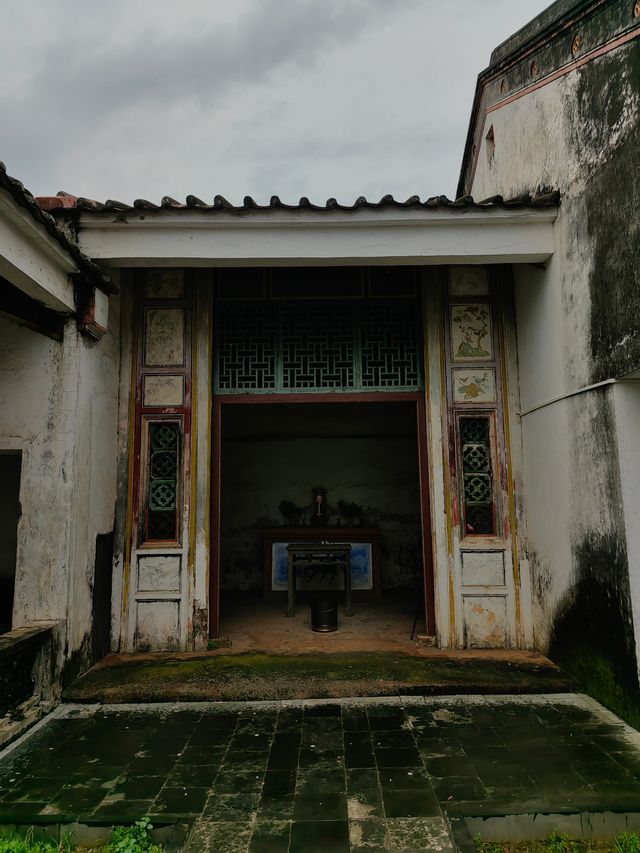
point(330, 555)
point(315, 535)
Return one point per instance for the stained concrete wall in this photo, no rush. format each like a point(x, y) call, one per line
point(361, 453)
point(577, 325)
point(58, 407)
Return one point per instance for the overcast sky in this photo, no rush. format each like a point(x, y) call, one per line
point(143, 98)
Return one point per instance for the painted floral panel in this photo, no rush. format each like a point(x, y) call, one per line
point(471, 332)
point(164, 336)
point(474, 385)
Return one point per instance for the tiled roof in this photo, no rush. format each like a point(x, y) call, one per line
point(64, 202)
point(25, 199)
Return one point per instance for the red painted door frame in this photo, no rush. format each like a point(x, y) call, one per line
point(357, 397)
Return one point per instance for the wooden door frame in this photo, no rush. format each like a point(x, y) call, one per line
point(220, 400)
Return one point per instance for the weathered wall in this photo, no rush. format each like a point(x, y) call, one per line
point(577, 325)
point(362, 453)
point(57, 405)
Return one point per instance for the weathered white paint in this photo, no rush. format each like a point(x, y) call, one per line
point(626, 397)
point(486, 622)
point(570, 482)
point(306, 238)
point(433, 282)
point(32, 260)
point(57, 405)
point(483, 568)
point(155, 619)
point(159, 573)
point(203, 377)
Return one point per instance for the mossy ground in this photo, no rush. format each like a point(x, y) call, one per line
point(596, 677)
point(267, 676)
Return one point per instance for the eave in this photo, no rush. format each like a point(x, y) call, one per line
point(32, 260)
point(277, 237)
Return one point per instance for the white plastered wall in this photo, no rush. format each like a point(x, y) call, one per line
point(57, 406)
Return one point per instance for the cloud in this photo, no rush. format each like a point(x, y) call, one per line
point(295, 97)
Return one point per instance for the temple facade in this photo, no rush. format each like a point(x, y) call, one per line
point(447, 386)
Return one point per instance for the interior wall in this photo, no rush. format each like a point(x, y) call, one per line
point(361, 453)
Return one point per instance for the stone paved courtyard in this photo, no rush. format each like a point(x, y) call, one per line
point(354, 775)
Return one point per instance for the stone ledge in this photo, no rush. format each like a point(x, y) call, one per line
point(31, 635)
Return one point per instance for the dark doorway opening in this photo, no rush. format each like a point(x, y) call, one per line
point(102, 581)
point(10, 512)
point(366, 454)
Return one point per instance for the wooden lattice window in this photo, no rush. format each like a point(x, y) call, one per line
point(306, 345)
point(162, 486)
point(474, 436)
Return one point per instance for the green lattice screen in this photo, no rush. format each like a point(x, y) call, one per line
point(307, 346)
point(162, 522)
point(475, 448)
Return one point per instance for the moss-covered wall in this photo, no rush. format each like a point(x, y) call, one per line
point(578, 323)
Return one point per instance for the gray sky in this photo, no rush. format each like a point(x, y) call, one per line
point(144, 98)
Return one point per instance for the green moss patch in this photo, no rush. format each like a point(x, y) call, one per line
point(264, 676)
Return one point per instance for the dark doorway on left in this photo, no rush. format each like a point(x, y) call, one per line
point(10, 512)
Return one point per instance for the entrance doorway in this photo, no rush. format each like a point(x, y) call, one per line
point(318, 384)
point(367, 452)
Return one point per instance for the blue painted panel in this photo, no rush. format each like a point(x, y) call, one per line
point(361, 570)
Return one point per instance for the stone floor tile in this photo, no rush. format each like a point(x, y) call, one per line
point(231, 782)
point(217, 721)
point(368, 835)
point(230, 806)
point(454, 788)
point(270, 836)
point(401, 739)
point(450, 765)
point(279, 782)
point(403, 757)
point(194, 755)
point(220, 836)
point(364, 797)
point(250, 742)
point(407, 834)
point(203, 736)
point(35, 789)
point(325, 836)
point(354, 719)
point(356, 756)
point(405, 778)
point(410, 803)
point(275, 806)
point(385, 720)
point(322, 760)
point(323, 710)
point(310, 781)
point(322, 741)
point(186, 800)
point(139, 787)
point(319, 806)
point(438, 745)
point(200, 775)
